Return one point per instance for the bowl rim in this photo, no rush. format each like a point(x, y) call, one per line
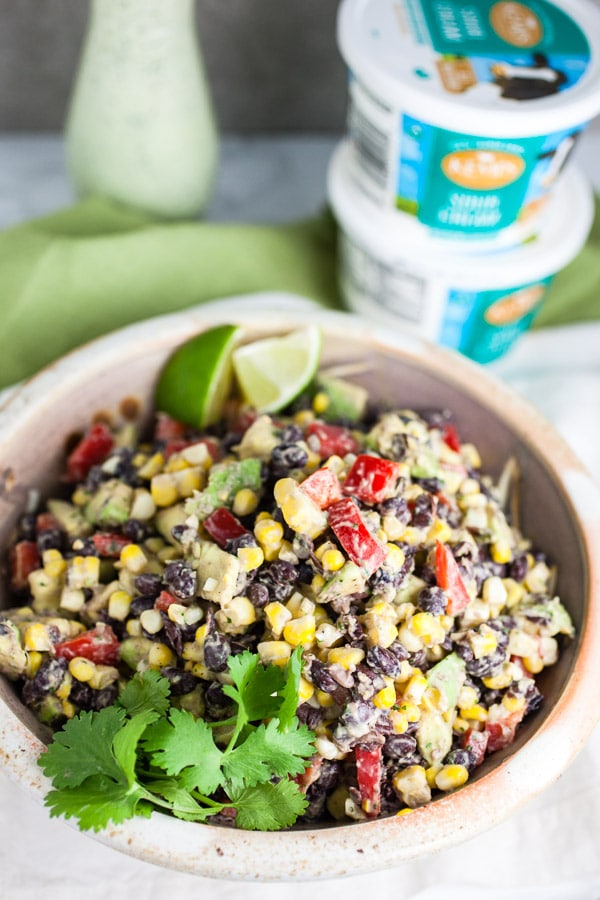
point(366, 846)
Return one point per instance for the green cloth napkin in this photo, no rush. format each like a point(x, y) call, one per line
point(94, 267)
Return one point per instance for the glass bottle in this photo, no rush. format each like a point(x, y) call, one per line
point(140, 127)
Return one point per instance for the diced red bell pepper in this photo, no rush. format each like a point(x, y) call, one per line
point(450, 437)
point(100, 645)
point(310, 774)
point(476, 742)
point(368, 774)
point(371, 478)
point(24, 558)
point(349, 527)
point(168, 429)
point(330, 440)
point(44, 522)
point(110, 543)
point(323, 487)
point(164, 601)
point(448, 577)
point(501, 731)
point(223, 526)
point(91, 450)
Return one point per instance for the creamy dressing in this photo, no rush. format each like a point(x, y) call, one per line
point(140, 128)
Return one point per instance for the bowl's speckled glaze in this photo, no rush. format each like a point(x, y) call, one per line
point(560, 511)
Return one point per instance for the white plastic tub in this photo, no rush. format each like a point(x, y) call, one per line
point(463, 114)
point(395, 273)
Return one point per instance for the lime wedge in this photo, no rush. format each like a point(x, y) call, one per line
point(274, 371)
point(197, 378)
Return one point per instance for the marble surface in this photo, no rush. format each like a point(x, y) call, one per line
point(548, 850)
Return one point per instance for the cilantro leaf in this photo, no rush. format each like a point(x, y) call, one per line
point(266, 752)
point(98, 801)
point(184, 746)
point(269, 807)
point(126, 741)
point(146, 690)
point(84, 748)
point(180, 801)
point(256, 686)
point(289, 692)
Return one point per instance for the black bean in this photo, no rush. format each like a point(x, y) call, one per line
point(136, 530)
point(50, 539)
point(181, 682)
point(279, 578)
point(81, 695)
point(285, 457)
point(148, 584)
point(399, 650)
point(139, 604)
point(401, 747)
point(291, 434)
point(418, 660)
point(518, 568)
point(310, 716)
point(398, 447)
point(171, 633)
point(384, 661)
point(423, 511)
point(487, 665)
point(321, 677)
point(243, 540)
point(533, 697)
point(181, 580)
point(47, 679)
point(461, 757)
point(26, 527)
point(258, 594)
point(217, 651)
point(432, 484)
point(396, 506)
point(432, 600)
point(105, 696)
point(217, 702)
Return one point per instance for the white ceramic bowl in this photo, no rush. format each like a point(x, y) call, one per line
point(560, 512)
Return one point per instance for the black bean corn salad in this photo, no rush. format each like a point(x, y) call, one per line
point(376, 545)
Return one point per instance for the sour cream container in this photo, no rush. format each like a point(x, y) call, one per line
point(394, 272)
point(463, 114)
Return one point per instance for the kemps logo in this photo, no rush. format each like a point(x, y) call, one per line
point(516, 23)
point(513, 307)
point(482, 170)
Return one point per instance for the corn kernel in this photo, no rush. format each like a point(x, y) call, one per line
point(163, 489)
point(411, 786)
point(300, 512)
point(431, 773)
point(305, 689)
point(399, 721)
point(250, 558)
point(533, 664)
point(37, 637)
point(201, 671)
point(411, 711)
point(64, 688)
point(160, 655)
point(327, 635)
point(54, 563)
point(513, 703)
point(386, 697)
point(151, 621)
point(175, 463)
point(72, 599)
point(68, 709)
point(483, 643)
point(34, 661)
point(460, 725)
point(188, 480)
point(133, 558)
point(184, 615)
point(275, 653)
point(439, 531)
point(133, 628)
point(300, 632)
point(427, 627)
point(411, 536)
point(152, 466)
point(451, 776)
point(277, 615)
point(324, 699)
point(467, 696)
point(118, 605)
point(333, 560)
point(236, 615)
point(414, 690)
point(346, 657)
point(245, 502)
point(405, 811)
point(477, 713)
point(432, 700)
point(83, 571)
point(514, 592)
point(269, 535)
point(321, 403)
point(394, 556)
point(200, 634)
point(103, 676)
point(143, 506)
point(81, 669)
point(501, 680)
point(304, 417)
point(500, 552)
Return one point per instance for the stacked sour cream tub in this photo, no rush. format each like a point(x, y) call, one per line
point(455, 196)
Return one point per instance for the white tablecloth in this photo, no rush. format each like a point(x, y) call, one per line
point(547, 851)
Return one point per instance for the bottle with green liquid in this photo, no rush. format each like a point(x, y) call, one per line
point(140, 128)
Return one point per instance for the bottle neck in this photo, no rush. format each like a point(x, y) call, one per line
point(142, 22)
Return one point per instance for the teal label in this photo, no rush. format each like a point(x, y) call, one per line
point(459, 182)
point(484, 324)
point(528, 50)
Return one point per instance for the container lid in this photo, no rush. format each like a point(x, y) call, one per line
point(493, 68)
point(563, 227)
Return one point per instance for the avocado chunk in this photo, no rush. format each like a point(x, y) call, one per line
point(69, 518)
point(111, 504)
point(345, 400)
point(224, 481)
point(13, 658)
point(350, 579)
point(135, 650)
point(448, 676)
point(167, 518)
point(217, 573)
point(434, 737)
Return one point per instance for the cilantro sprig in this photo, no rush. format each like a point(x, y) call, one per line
point(143, 754)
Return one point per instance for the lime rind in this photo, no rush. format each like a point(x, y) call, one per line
point(198, 377)
point(272, 372)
